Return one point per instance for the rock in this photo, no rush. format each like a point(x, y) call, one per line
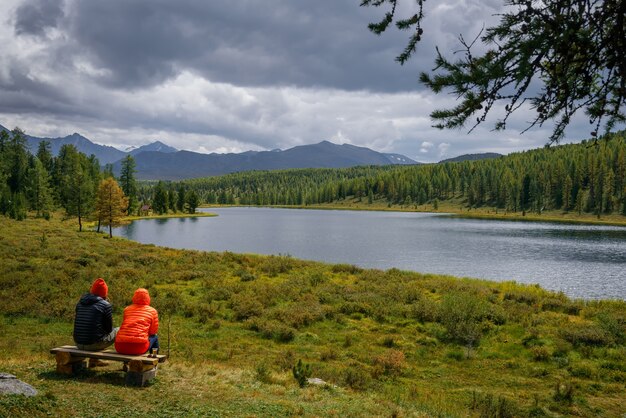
point(316, 381)
point(11, 385)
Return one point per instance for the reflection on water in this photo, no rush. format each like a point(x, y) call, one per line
point(580, 260)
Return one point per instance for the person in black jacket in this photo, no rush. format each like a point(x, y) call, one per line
point(93, 323)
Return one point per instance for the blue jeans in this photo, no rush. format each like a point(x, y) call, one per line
point(154, 343)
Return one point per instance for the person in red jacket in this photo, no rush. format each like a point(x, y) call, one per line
point(138, 332)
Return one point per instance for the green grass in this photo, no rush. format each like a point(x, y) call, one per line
point(389, 343)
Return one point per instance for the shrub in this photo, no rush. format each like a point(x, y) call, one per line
point(582, 371)
point(185, 275)
point(245, 275)
point(169, 304)
point(329, 354)
point(390, 364)
point(424, 309)
point(540, 353)
point(613, 325)
point(532, 339)
point(496, 315)
point(356, 378)
point(301, 372)
point(346, 268)
point(573, 308)
point(262, 373)
point(521, 297)
point(205, 312)
point(564, 392)
point(350, 308)
point(274, 330)
point(488, 406)
point(303, 312)
point(455, 355)
point(285, 360)
point(561, 348)
point(316, 278)
point(246, 306)
point(560, 362)
point(589, 334)
point(388, 342)
point(348, 341)
point(219, 293)
point(462, 316)
point(274, 265)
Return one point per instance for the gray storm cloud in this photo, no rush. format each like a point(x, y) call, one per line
point(234, 75)
point(35, 16)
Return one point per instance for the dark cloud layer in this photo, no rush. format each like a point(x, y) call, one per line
point(35, 16)
point(234, 74)
point(255, 43)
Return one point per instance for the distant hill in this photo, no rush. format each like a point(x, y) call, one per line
point(163, 162)
point(399, 159)
point(105, 154)
point(187, 164)
point(156, 146)
point(472, 157)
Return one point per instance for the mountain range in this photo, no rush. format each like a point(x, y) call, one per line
point(160, 161)
point(472, 157)
point(163, 162)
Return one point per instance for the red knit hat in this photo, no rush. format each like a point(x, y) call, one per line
point(100, 288)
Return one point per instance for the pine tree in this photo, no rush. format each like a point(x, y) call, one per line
point(14, 173)
point(76, 184)
point(160, 203)
point(574, 49)
point(180, 202)
point(567, 193)
point(128, 182)
point(39, 193)
point(111, 204)
point(192, 201)
point(45, 155)
point(172, 200)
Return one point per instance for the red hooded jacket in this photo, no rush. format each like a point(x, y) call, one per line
point(140, 320)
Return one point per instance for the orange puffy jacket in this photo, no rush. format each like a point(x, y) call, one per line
point(140, 320)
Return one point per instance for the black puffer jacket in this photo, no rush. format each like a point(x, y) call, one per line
point(94, 319)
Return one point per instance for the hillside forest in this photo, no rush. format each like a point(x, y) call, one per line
point(584, 178)
point(589, 177)
point(75, 182)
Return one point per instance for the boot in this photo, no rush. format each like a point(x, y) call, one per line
point(94, 362)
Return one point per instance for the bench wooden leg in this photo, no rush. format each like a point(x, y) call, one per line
point(69, 364)
point(139, 374)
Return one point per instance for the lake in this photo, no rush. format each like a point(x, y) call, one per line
point(583, 261)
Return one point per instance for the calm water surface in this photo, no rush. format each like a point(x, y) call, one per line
point(582, 261)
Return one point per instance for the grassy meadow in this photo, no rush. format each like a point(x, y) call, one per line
point(388, 343)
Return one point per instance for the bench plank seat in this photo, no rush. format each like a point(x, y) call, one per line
point(108, 355)
point(139, 369)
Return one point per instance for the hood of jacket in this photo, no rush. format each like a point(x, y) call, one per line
point(141, 297)
point(89, 299)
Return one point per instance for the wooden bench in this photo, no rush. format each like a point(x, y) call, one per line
point(139, 369)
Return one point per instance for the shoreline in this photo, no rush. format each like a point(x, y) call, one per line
point(171, 215)
point(452, 212)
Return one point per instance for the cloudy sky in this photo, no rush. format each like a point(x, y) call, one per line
point(237, 75)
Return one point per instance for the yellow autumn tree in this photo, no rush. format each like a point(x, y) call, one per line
point(111, 204)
